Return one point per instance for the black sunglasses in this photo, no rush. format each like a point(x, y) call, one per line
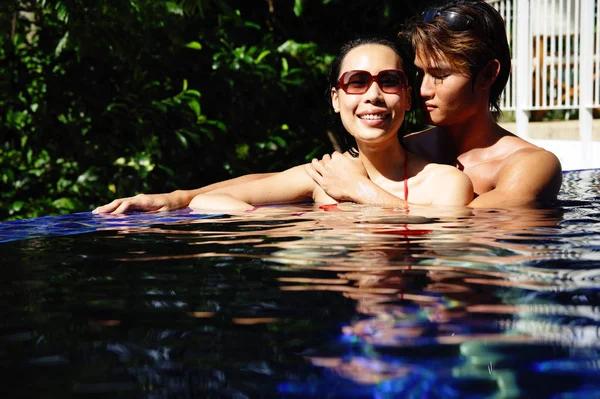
point(454, 20)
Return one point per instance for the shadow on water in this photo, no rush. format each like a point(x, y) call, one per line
point(298, 302)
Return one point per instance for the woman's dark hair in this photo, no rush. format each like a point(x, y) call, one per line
point(402, 47)
point(466, 50)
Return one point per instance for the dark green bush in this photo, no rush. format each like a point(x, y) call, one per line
point(103, 99)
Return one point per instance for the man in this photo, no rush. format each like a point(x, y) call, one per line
point(463, 56)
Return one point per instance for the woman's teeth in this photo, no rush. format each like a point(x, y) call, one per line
point(372, 116)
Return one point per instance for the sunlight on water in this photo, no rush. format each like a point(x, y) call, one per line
point(296, 301)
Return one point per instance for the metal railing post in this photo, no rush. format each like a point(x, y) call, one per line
point(522, 52)
point(586, 79)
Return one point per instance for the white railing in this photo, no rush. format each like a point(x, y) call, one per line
point(556, 61)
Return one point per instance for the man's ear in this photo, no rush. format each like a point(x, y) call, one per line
point(489, 74)
point(335, 101)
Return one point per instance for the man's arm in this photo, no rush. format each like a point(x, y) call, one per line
point(170, 201)
point(344, 178)
point(526, 178)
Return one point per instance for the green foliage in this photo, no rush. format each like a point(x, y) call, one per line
point(103, 99)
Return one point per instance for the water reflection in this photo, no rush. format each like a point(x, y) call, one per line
point(301, 302)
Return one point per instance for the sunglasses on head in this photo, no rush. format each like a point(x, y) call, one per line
point(454, 20)
point(390, 81)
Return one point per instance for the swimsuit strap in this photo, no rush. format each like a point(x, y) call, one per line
point(406, 177)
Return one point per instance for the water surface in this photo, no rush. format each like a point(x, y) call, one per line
point(297, 301)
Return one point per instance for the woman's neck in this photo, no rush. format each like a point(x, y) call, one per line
point(383, 160)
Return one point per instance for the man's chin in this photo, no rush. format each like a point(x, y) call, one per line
point(428, 120)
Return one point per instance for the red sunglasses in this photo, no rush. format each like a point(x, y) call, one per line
point(390, 81)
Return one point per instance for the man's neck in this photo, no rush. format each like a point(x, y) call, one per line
point(478, 132)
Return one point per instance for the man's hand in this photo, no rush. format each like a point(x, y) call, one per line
point(142, 202)
point(338, 175)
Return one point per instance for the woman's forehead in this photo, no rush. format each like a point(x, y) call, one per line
point(371, 56)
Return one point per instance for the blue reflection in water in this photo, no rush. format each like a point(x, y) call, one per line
point(299, 302)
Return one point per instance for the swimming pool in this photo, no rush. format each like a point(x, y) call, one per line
point(299, 302)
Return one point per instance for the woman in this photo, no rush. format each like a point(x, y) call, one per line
point(370, 92)
point(463, 57)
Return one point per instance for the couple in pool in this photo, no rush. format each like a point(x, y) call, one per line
point(462, 60)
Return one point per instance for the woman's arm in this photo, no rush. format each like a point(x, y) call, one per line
point(292, 185)
point(169, 201)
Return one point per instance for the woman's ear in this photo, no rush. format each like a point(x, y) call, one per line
point(408, 93)
point(335, 101)
point(489, 74)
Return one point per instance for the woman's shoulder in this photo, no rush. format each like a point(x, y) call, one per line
point(438, 170)
point(447, 185)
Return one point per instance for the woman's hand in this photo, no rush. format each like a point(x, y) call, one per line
point(175, 200)
point(143, 202)
point(339, 175)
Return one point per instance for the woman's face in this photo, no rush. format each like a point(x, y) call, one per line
point(448, 97)
point(374, 116)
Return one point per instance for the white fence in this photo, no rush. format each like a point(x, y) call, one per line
point(556, 62)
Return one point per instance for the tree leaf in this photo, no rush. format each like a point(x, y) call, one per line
point(195, 106)
point(298, 7)
point(261, 56)
point(193, 93)
point(182, 140)
point(194, 45)
point(61, 44)
point(174, 8)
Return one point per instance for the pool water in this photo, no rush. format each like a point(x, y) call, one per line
point(297, 301)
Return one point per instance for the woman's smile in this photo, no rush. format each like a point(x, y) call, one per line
point(374, 119)
point(373, 116)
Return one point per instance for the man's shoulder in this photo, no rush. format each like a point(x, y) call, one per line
point(527, 176)
point(517, 152)
point(536, 168)
point(532, 155)
point(510, 144)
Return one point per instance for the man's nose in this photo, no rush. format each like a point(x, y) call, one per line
point(426, 88)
